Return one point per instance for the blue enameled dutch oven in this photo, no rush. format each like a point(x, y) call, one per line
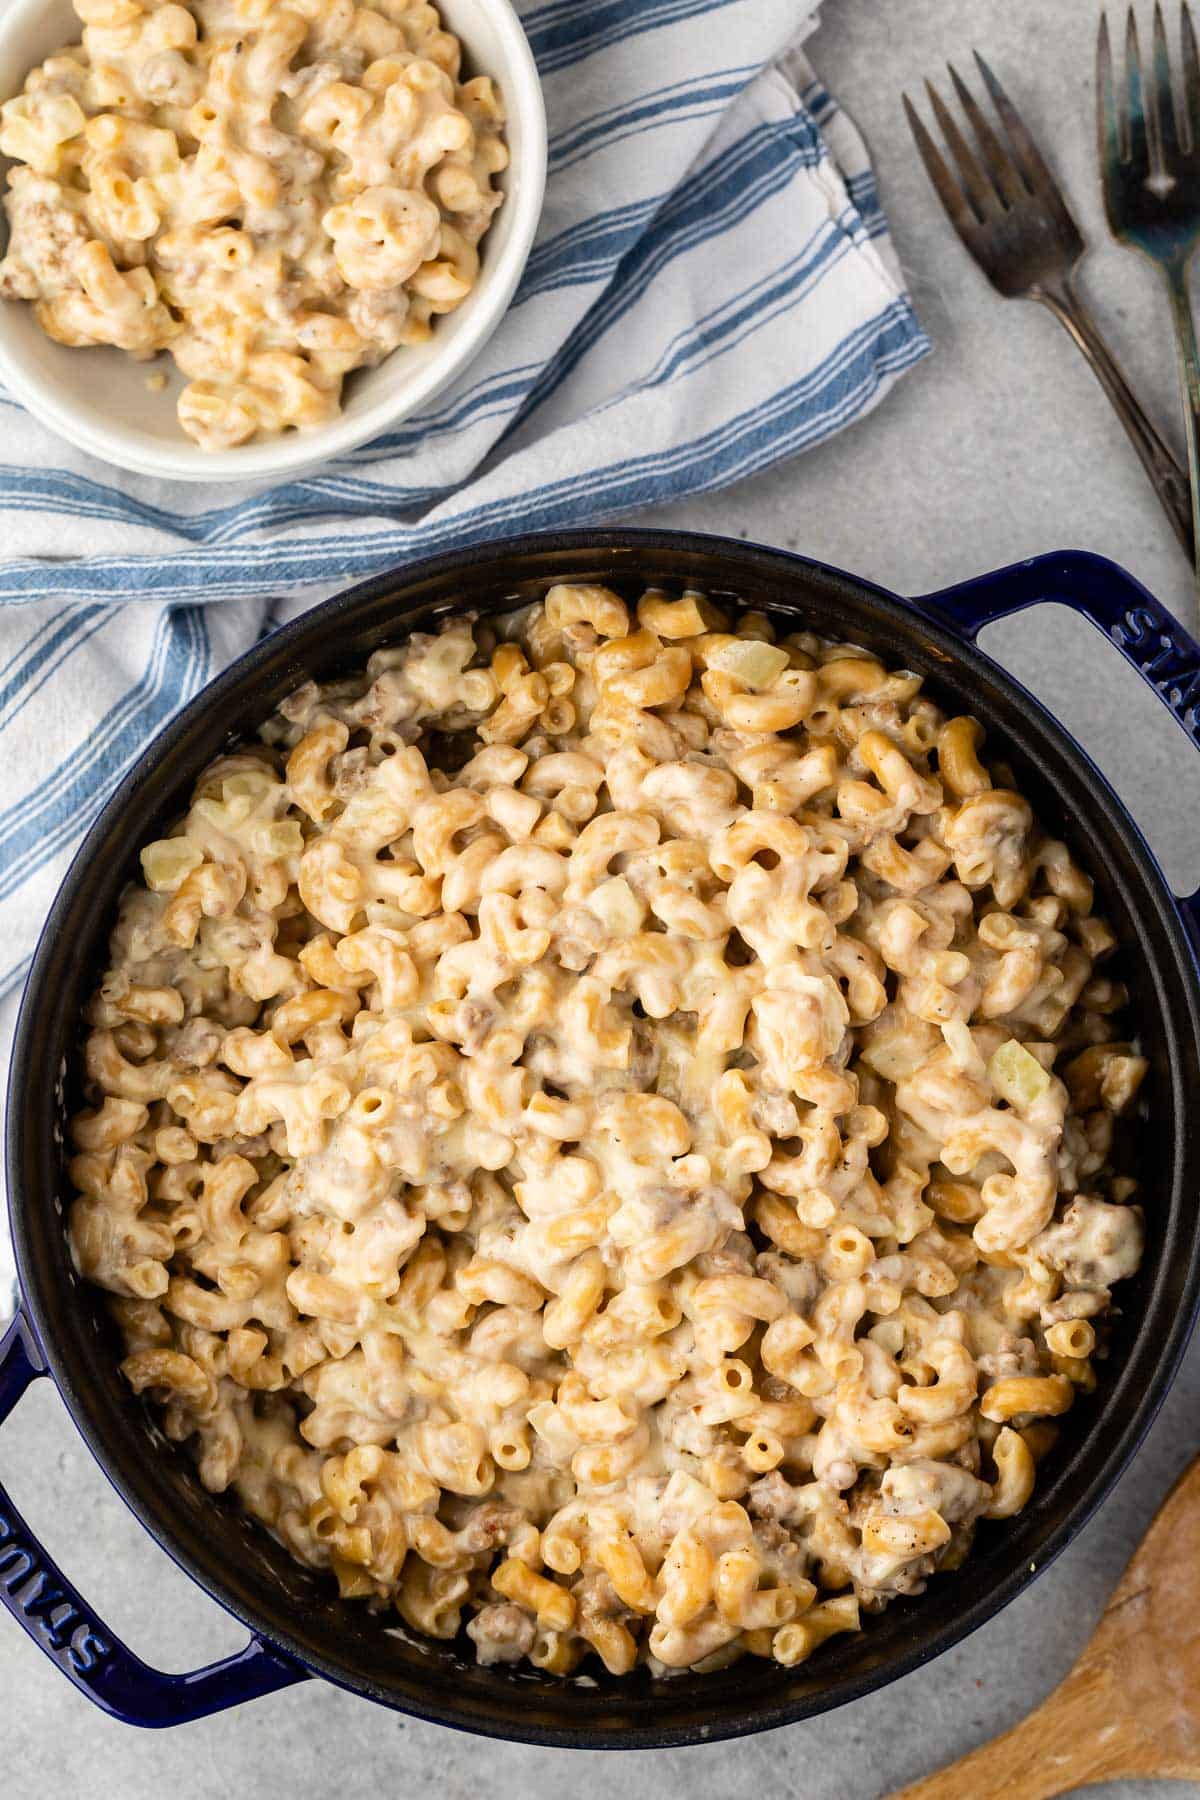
point(298, 1627)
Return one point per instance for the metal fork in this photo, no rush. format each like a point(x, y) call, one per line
point(1010, 213)
point(1150, 156)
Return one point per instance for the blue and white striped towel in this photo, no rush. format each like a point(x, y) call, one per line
point(712, 290)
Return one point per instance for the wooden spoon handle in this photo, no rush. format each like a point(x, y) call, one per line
point(1130, 1705)
point(1081, 1734)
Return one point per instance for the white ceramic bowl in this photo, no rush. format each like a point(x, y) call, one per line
point(99, 400)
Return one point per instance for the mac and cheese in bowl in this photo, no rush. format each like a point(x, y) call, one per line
point(275, 191)
point(602, 1134)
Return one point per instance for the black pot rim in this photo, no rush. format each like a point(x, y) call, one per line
point(612, 543)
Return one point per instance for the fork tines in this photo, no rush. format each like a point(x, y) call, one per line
point(1009, 212)
point(1002, 169)
point(1151, 129)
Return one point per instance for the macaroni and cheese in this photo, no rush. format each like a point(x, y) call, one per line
point(275, 191)
point(601, 1133)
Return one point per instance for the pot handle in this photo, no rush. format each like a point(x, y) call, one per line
point(1150, 638)
point(60, 1621)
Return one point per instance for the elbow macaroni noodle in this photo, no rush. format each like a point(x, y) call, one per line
point(600, 1133)
point(275, 191)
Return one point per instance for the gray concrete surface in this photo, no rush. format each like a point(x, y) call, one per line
point(998, 447)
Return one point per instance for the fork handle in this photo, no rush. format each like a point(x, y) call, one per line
point(1168, 477)
point(1176, 274)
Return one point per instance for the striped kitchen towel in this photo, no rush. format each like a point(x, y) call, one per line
point(712, 289)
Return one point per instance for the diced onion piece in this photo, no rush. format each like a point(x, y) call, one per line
point(961, 1046)
point(1017, 1076)
point(617, 907)
point(213, 812)
point(686, 1499)
point(168, 862)
point(248, 784)
point(280, 840)
point(758, 665)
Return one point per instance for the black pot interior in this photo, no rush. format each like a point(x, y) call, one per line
point(235, 1560)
